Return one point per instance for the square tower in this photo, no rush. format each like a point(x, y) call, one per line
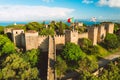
point(71, 36)
point(31, 40)
point(92, 34)
point(101, 33)
point(110, 28)
point(18, 37)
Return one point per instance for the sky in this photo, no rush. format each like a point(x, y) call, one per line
point(35, 10)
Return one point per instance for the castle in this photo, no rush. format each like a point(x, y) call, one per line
point(31, 40)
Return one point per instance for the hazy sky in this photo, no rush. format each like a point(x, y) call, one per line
point(27, 10)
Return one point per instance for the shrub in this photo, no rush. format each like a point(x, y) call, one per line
point(111, 41)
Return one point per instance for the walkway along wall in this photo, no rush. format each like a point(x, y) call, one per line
point(51, 59)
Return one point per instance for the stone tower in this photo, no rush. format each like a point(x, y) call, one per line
point(18, 37)
point(31, 40)
point(101, 33)
point(92, 34)
point(71, 36)
point(109, 27)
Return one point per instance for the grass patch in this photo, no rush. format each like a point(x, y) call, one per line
point(102, 52)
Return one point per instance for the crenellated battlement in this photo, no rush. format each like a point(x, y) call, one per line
point(59, 36)
point(42, 36)
point(74, 31)
point(31, 33)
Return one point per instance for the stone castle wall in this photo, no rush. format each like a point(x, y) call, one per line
point(71, 36)
point(34, 41)
point(31, 40)
point(7, 30)
point(59, 41)
point(92, 34)
point(17, 37)
point(43, 43)
point(109, 27)
point(83, 35)
point(51, 59)
point(74, 37)
point(101, 33)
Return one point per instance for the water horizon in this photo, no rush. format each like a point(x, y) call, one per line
point(6, 23)
point(87, 22)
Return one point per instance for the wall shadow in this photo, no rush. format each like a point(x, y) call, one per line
point(42, 65)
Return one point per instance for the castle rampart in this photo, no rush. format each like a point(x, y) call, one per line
point(59, 41)
point(92, 34)
point(43, 43)
point(109, 27)
point(31, 40)
point(17, 37)
point(7, 30)
point(83, 35)
point(71, 36)
point(101, 33)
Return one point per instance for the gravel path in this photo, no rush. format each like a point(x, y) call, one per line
point(109, 58)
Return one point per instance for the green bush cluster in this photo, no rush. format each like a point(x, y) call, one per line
point(17, 66)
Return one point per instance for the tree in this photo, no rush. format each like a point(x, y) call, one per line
point(72, 52)
point(116, 27)
point(112, 72)
point(1, 29)
point(60, 27)
point(6, 46)
point(47, 32)
point(34, 26)
point(87, 64)
point(32, 56)
point(61, 66)
point(16, 68)
point(87, 76)
point(52, 25)
point(87, 46)
point(111, 41)
point(18, 26)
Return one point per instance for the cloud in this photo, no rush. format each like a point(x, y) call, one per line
point(48, 1)
point(87, 1)
point(110, 3)
point(23, 13)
